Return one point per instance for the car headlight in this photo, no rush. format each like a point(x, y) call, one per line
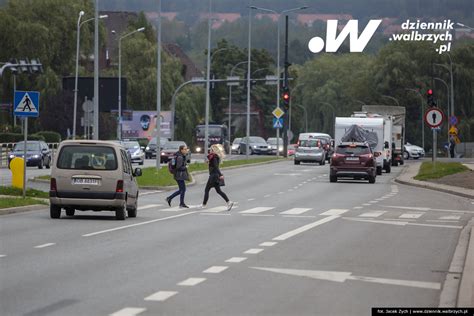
point(198, 149)
point(147, 148)
point(281, 149)
point(162, 154)
point(254, 146)
point(35, 156)
point(11, 156)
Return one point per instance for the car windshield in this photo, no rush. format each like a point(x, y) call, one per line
point(87, 158)
point(353, 150)
point(131, 145)
point(214, 131)
point(153, 141)
point(257, 140)
point(237, 141)
point(309, 143)
point(29, 146)
point(273, 141)
point(173, 145)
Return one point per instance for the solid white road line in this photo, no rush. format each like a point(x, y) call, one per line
point(216, 214)
point(3, 256)
point(304, 228)
point(452, 217)
point(137, 224)
point(268, 243)
point(253, 251)
point(298, 216)
point(129, 311)
point(259, 215)
point(296, 211)
point(357, 207)
point(341, 277)
point(236, 259)
point(400, 223)
point(215, 269)
point(161, 296)
point(144, 207)
point(256, 210)
point(150, 192)
point(45, 245)
point(334, 212)
point(373, 214)
point(411, 215)
point(191, 281)
point(425, 209)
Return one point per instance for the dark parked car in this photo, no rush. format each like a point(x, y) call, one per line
point(37, 153)
point(169, 149)
point(150, 150)
point(353, 160)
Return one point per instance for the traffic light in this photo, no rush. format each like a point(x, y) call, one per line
point(285, 98)
point(430, 98)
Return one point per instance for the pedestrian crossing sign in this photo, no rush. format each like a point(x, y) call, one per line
point(277, 122)
point(27, 103)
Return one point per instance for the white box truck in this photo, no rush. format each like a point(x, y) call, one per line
point(362, 129)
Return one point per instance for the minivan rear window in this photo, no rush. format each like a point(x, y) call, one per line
point(309, 143)
point(87, 158)
point(353, 150)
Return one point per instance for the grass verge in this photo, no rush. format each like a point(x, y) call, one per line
point(428, 171)
point(15, 202)
point(152, 177)
point(19, 192)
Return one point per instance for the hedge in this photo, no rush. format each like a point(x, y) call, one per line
point(14, 137)
point(49, 137)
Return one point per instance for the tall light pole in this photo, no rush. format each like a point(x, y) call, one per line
point(96, 72)
point(466, 26)
point(447, 99)
point(119, 125)
point(333, 115)
point(79, 25)
point(278, 54)
point(450, 69)
point(208, 84)
point(422, 114)
point(158, 90)
point(249, 54)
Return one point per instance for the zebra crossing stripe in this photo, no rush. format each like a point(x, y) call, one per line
point(257, 210)
point(334, 212)
point(373, 214)
point(411, 215)
point(296, 211)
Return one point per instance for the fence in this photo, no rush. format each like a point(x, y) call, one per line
point(6, 148)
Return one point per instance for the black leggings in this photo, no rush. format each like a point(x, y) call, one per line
point(216, 186)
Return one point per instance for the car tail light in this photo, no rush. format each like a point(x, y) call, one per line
point(336, 155)
point(119, 188)
point(367, 156)
point(52, 185)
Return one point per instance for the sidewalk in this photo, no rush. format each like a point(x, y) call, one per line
point(455, 293)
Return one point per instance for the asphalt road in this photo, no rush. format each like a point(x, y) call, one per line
point(294, 245)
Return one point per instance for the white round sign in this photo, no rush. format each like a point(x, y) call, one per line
point(434, 117)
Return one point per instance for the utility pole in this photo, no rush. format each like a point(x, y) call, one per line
point(95, 130)
point(286, 116)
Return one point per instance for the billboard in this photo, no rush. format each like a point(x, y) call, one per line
point(142, 124)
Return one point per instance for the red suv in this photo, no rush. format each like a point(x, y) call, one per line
point(353, 160)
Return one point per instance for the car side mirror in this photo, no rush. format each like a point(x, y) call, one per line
point(137, 172)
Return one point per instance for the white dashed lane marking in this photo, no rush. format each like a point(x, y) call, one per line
point(161, 296)
point(215, 269)
point(253, 251)
point(192, 281)
point(129, 311)
point(256, 210)
point(3, 256)
point(236, 259)
point(373, 214)
point(268, 244)
point(450, 217)
point(45, 245)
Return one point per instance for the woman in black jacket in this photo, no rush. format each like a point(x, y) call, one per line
point(180, 175)
point(216, 178)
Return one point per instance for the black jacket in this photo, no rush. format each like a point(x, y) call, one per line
point(214, 171)
point(181, 167)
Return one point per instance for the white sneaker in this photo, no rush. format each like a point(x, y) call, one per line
point(230, 204)
point(202, 206)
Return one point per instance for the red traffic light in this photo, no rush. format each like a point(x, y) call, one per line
point(430, 92)
point(286, 96)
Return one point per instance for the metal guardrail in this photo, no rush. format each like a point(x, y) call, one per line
point(5, 148)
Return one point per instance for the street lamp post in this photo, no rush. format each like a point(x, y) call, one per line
point(278, 54)
point(333, 114)
point(466, 26)
point(158, 90)
point(208, 84)
point(119, 125)
point(447, 99)
point(79, 25)
point(422, 114)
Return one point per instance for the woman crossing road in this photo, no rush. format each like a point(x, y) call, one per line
point(216, 178)
point(180, 175)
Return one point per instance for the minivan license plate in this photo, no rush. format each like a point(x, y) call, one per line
point(353, 158)
point(88, 181)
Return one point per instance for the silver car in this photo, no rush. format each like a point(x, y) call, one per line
point(272, 141)
point(310, 150)
point(136, 152)
point(257, 145)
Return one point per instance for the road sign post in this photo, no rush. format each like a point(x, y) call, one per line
point(434, 117)
point(277, 124)
point(26, 104)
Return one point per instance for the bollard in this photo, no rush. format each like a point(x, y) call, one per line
point(17, 169)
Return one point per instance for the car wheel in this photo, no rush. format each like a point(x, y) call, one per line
point(141, 162)
point(406, 155)
point(297, 162)
point(120, 212)
point(251, 151)
point(379, 171)
point(394, 163)
point(70, 211)
point(402, 162)
point(49, 163)
point(371, 179)
point(147, 157)
point(132, 212)
point(332, 178)
point(54, 211)
point(388, 169)
point(40, 164)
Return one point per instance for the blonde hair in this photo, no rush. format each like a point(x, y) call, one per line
point(218, 149)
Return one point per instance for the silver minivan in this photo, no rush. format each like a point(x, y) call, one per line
point(93, 175)
point(310, 150)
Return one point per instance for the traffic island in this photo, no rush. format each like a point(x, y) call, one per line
point(15, 204)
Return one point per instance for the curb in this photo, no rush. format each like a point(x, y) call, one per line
point(466, 288)
point(436, 187)
point(20, 209)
